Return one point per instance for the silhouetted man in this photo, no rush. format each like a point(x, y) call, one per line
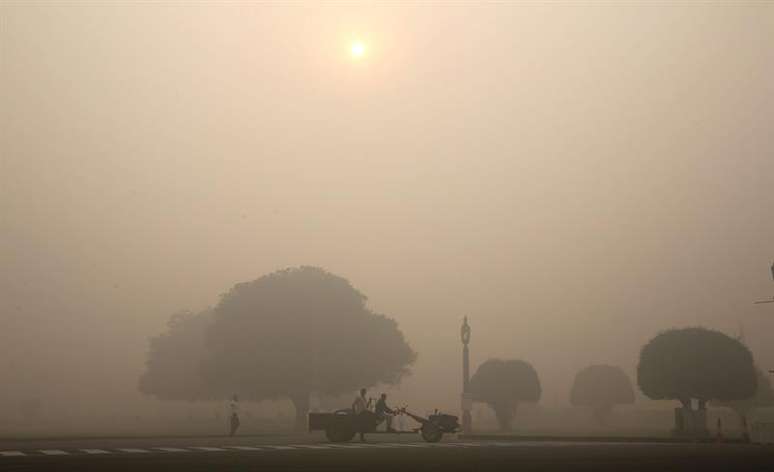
point(234, 407)
point(360, 408)
point(384, 412)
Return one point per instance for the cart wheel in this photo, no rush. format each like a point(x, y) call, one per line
point(339, 434)
point(430, 433)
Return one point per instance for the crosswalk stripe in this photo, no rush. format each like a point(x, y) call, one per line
point(405, 445)
point(467, 444)
point(54, 452)
point(263, 447)
point(348, 446)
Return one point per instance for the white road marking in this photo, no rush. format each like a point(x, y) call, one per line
point(54, 452)
point(348, 446)
point(264, 447)
point(407, 445)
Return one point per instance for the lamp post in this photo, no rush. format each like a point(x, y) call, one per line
point(772, 299)
point(466, 400)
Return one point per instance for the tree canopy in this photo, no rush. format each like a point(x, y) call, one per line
point(696, 363)
point(763, 397)
point(502, 384)
point(174, 363)
point(601, 387)
point(298, 331)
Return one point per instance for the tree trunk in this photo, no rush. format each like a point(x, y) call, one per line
point(601, 413)
point(686, 403)
point(301, 403)
point(504, 414)
point(700, 419)
point(695, 421)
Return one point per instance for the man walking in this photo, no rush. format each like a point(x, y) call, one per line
point(234, 407)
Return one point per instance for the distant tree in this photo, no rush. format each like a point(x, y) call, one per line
point(502, 384)
point(763, 397)
point(601, 387)
point(174, 364)
point(696, 363)
point(299, 331)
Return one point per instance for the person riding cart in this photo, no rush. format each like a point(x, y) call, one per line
point(343, 425)
point(384, 412)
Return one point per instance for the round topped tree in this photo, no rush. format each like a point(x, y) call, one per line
point(696, 364)
point(601, 387)
point(502, 384)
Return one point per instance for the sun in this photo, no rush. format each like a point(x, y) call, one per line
point(357, 49)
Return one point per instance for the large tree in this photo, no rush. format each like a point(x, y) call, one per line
point(502, 384)
point(601, 387)
point(696, 364)
point(174, 364)
point(301, 331)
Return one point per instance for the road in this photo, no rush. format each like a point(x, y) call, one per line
point(381, 453)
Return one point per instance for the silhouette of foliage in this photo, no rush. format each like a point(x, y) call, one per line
point(502, 384)
point(763, 397)
point(601, 387)
point(299, 331)
point(696, 363)
point(173, 367)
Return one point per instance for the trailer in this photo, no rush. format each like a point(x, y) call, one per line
point(343, 425)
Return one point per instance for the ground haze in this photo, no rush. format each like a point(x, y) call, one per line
point(573, 178)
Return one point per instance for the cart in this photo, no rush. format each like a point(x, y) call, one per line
point(342, 425)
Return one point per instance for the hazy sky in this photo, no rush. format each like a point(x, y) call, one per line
point(573, 178)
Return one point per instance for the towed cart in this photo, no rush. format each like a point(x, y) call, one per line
point(342, 425)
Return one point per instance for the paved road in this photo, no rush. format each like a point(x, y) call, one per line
point(391, 453)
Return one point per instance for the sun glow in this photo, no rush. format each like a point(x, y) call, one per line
point(357, 49)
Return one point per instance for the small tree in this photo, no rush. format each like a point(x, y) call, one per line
point(696, 364)
point(174, 363)
point(601, 387)
point(502, 384)
point(301, 331)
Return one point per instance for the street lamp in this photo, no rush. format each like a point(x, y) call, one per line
point(467, 401)
point(772, 298)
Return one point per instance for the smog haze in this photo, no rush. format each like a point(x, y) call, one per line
point(574, 180)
